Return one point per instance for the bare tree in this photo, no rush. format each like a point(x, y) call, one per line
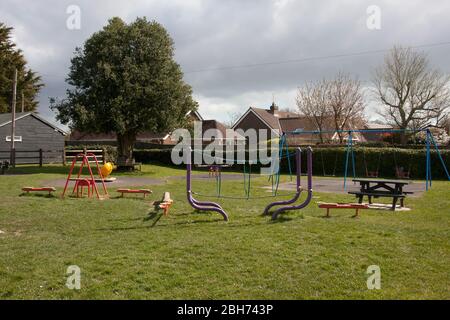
point(413, 94)
point(290, 110)
point(312, 103)
point(336, 103)
point(346, 103)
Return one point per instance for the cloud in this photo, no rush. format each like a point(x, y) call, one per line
point(212, 34)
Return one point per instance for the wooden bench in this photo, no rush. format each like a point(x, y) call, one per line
point(360, 195)
point(33, 189)
point(355, 206)
point(139, 191)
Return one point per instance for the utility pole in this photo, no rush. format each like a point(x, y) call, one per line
point(23, 103)
point(13, 123)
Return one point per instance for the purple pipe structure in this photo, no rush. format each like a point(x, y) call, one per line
point(201, 205)
point(299, 188)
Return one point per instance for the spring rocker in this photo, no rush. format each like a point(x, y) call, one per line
point(165, 203)
point(286, 205)
point(88, 182)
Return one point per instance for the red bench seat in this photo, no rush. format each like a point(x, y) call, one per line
point(356, 206)
point(140, 191)
point(33, 189)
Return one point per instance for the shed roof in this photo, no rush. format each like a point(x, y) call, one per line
point(5, 119)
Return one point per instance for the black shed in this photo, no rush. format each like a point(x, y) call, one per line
point(36, 139)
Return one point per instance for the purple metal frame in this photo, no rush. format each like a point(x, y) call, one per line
point(213, 206)
point(298, 156)
point(201, 205)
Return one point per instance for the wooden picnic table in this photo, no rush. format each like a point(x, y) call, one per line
point(376, 188)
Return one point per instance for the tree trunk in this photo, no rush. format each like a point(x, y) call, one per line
point(403, 136)
point(125, 145)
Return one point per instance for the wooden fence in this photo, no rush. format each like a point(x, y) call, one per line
point(70, 154)
point(39, 156)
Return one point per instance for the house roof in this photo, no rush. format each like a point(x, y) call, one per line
point(195, 114)
point(214, 124)
point(377, 126)
point(76, 135)
point(5, 119)
point(297, 124)
point(267, 117)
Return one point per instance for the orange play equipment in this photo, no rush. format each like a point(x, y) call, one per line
point(106, 169)
point(89, 181)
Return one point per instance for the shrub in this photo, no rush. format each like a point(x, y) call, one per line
point(331, 160)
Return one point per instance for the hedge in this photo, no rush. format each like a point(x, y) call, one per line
point(331, 161)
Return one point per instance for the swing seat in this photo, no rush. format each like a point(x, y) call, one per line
point(372, 174)
point(401, 174)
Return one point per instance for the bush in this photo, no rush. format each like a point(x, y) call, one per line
point(331, 160)
point(153, 155)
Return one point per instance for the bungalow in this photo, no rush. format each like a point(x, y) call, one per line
point(290, 123)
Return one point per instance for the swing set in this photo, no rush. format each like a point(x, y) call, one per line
point(400, 171)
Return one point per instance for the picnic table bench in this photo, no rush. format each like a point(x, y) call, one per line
point(377, 188)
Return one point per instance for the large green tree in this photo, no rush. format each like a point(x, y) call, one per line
point(125, 80)
point(28, 83)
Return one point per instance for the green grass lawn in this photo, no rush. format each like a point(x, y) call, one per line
point(126, 251)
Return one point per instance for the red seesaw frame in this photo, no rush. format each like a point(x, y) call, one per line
point(90, 179)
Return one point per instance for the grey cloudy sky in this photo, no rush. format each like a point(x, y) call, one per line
point(211, 34)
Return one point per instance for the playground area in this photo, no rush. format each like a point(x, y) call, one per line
point(125, 249)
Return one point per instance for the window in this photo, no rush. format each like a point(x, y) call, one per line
point(16, 139)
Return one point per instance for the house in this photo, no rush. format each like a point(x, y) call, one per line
point(32, 133)
point(193, 115)
point(143, 139)
point(234, 138)
point(299, 130)
point(263, 119)
point(373, 132)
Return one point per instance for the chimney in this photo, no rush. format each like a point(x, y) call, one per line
point(274, 109)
